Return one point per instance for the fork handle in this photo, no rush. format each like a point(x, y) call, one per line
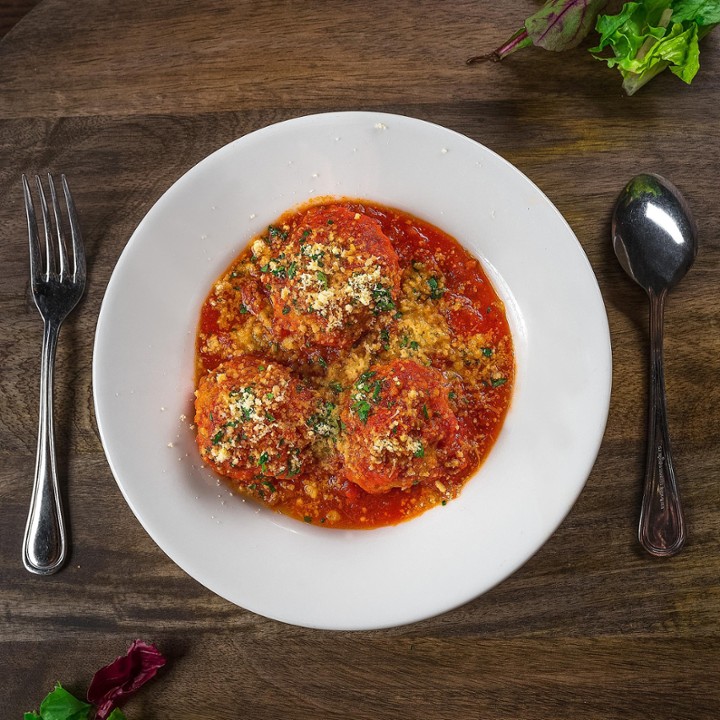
point(44, 546)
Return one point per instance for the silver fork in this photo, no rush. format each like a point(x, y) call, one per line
point(56, 289)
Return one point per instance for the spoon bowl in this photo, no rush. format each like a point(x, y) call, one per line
point(654, 233)
point(655, 240)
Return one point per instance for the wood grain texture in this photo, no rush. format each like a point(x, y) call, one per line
point(126, 97)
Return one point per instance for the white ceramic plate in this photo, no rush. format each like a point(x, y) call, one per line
point(334, 579)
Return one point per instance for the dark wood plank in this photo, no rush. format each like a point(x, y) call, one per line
point(12, 11)
point(137, 93)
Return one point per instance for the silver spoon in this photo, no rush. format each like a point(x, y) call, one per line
point(655, 240)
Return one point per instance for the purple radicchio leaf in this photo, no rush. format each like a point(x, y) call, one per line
point(558, 25)
point(117, 681)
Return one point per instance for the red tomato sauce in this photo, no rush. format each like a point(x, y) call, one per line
point(395, 361)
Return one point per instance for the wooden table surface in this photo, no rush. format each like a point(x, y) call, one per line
point(124, 97)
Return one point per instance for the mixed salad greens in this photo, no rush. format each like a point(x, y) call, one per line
point(110, 686)
point(641, 40)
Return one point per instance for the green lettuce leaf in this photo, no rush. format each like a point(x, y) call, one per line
point(681, 51)
point(648, 37)
point(61, 705)
point(627, 31)
point(702, 12)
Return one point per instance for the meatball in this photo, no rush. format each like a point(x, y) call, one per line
point(400, 428)
point(252, 420)
point(330, 278)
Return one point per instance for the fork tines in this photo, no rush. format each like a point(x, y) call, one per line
point(56, 252)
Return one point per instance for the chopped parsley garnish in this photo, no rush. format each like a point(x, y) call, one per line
point(426, 415)
point(336, 387)
point(362, 382)
point(243, 309)
point(436, 292)
point(367, 390)
point(367, 375)
point(307, 250)
point(420, 451)
point(276, 232)
point(382, 297)
point(385, 338)
point(286, 310)
point(307, 519)
point(325, 422)
point(405, 341)
point(362, 409)
point(452, 395)
point(247, 396)
point(217, 437)
point(269, 486)
point(322, 278)
point(264, 268)
point(487, 352)
point(497, 382)
point(292, 269)
point(263, 461)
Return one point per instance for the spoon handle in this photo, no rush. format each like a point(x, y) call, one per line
point(662, 526)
